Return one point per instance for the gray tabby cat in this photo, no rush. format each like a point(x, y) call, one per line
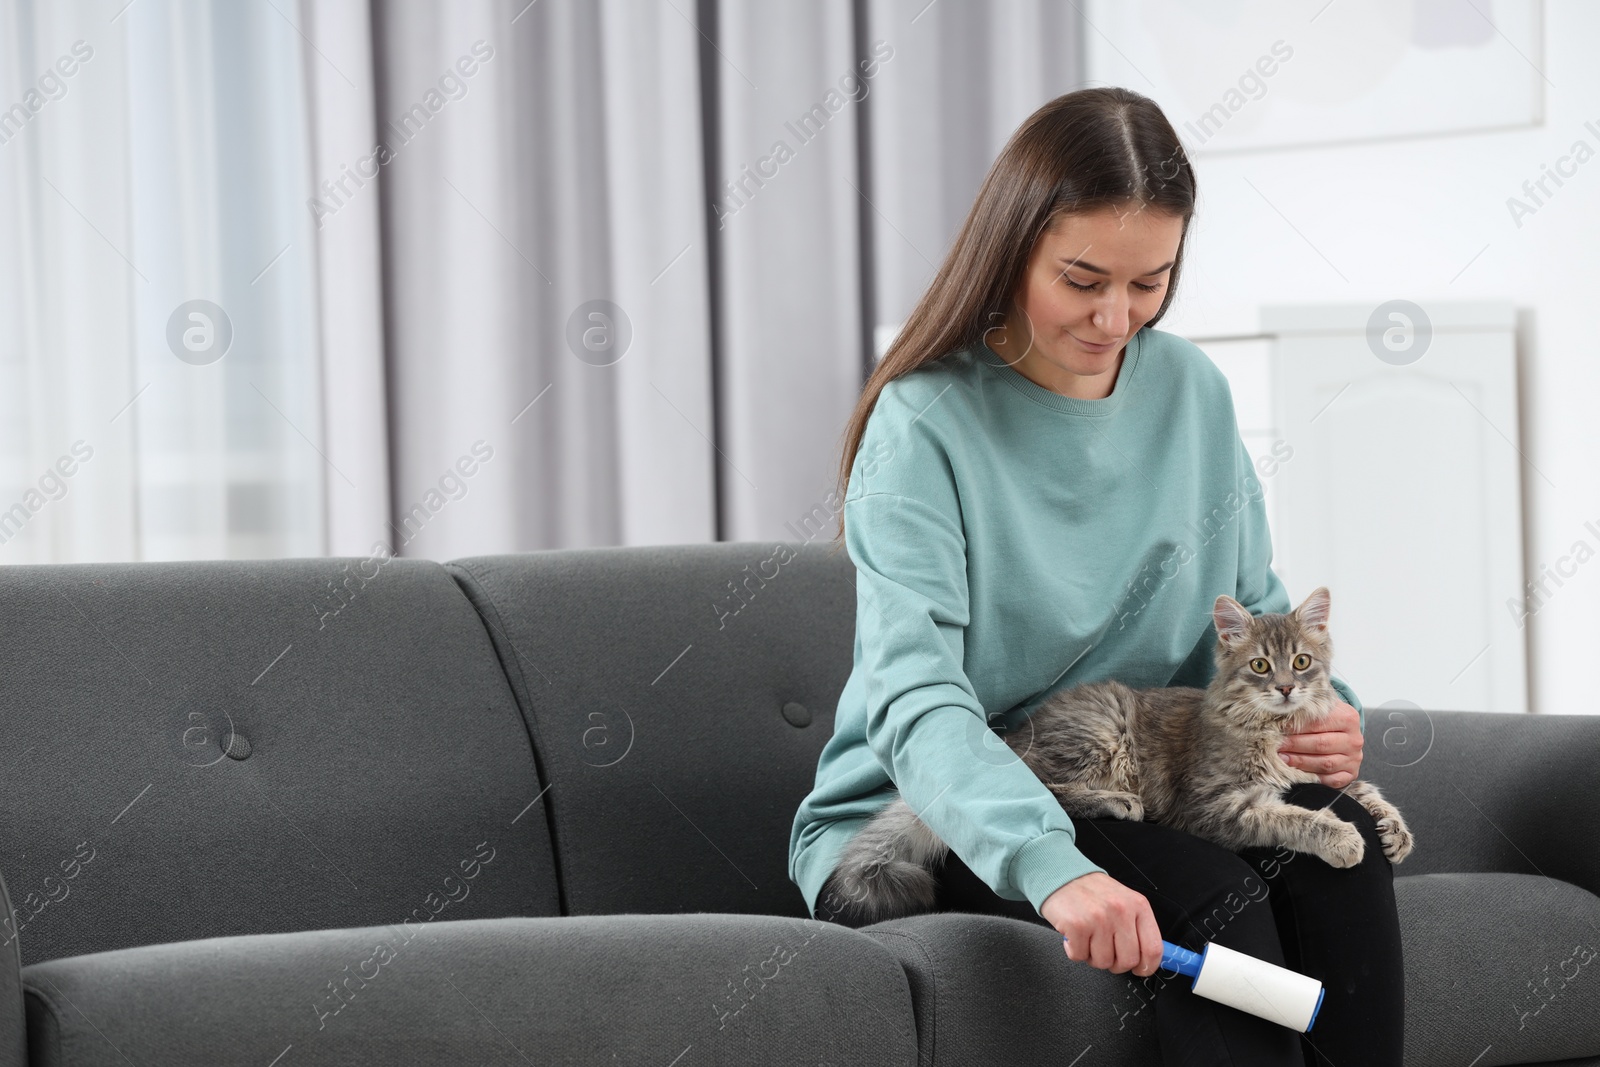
point(1201, 760)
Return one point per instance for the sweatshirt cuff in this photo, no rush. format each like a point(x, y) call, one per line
point(1350, 698)
point(1047, 863)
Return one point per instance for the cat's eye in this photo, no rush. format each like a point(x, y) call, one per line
point(1302, 661)
point(1259, 665)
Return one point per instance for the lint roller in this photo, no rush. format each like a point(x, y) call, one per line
point(1274, 993)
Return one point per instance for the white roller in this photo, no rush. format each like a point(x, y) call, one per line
point(1258, 987)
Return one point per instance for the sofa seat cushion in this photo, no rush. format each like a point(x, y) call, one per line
point(992, 991)
point(1496, 969)
point(649, 989)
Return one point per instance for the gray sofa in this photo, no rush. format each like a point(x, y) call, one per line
point(534, 809)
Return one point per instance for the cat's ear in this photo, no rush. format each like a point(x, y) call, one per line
point(1313, 610)
point(1231, 617)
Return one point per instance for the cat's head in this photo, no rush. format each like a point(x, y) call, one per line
point(1273, 667)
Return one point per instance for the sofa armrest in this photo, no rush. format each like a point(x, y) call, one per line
point(738, 989)
point(1490, 791)
point(13, 1030)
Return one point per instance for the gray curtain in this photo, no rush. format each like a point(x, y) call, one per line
point(964, 75)
point(642, 254)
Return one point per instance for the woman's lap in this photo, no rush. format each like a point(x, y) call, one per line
point(1286, 907)
point(1281, 906)
point(1194, 886)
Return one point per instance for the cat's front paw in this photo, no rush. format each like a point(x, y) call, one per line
point(1343, 845)
point(1396, 838)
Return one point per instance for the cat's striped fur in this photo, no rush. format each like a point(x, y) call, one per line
point(1201, 760)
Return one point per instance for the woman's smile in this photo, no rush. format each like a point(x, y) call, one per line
point(1106, 347)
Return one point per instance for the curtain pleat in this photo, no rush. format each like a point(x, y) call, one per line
point(702, 188)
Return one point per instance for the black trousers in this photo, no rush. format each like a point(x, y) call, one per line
point(1285, 907)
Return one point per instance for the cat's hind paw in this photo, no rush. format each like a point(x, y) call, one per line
point(1396, 838)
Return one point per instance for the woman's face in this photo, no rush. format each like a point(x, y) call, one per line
point(1092, 281)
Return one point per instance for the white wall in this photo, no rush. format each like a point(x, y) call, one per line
point(1403, 219)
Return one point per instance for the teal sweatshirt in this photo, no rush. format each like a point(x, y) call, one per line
point(1009, 542)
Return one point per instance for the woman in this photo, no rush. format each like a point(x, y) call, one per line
point(1042, 490)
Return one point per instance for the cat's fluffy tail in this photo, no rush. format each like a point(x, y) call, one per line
point(884, 872)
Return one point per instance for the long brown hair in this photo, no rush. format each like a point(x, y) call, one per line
point(1079, 153)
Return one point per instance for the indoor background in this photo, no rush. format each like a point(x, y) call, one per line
point(286, 278)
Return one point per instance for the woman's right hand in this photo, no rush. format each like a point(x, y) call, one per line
point(1105, 924)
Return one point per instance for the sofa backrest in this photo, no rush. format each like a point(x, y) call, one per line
point(679, 697)
point(1490, 791)
point(378, 769)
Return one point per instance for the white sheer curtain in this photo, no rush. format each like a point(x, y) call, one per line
point(172, 165)
point(67, 289)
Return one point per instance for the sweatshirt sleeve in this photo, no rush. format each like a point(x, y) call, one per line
point(1259, 587)
point(924, 722)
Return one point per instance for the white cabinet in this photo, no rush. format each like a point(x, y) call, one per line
point(1403, 495)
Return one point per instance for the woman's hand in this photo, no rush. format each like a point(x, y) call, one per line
point(1106, 924)
point(1332, 752)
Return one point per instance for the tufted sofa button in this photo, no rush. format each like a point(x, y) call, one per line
point(796, 714)
point(236, 747)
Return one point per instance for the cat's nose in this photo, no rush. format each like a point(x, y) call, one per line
point(1285, 689)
